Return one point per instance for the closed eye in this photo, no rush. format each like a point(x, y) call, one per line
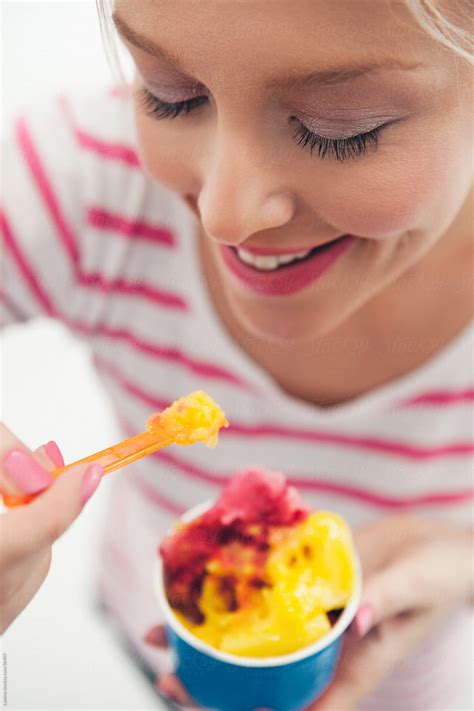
point(339, 148)
point(164, 110)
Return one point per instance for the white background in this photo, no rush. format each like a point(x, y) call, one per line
point(60, 653)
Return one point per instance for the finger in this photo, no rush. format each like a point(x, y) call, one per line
point(25, 577)
point(418, 579)
point(56, 509)
point(170, 686)
point(364, 663)
point(379, 542)
point(46, 518)
point(9, 441)
point(339, 696)
point(49, 455)
point(156, 637)
point(23, 471)
point(20, 471)
point(402, 586)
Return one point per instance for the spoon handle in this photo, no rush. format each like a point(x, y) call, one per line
point(112, 458)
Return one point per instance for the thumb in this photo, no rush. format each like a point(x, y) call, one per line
point(399, 587)
point(419, 579)
point(48, 516)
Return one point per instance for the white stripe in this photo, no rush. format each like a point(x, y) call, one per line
point(383, 474)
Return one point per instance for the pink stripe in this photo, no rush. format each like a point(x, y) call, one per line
point(12, 308)
point(442, 397)
point(45, 190)
point(23, 266)
point(192, 470)
point(329, 487)
point(370, 443)
point(152, 495)
point(106, 149)
point(445, 498)
point(399, 449)
point(92, 280)
point(114, 373)
point(173, 355)
point(80, 328)
point(159, 296)
point(110, 151)
point(104, 220)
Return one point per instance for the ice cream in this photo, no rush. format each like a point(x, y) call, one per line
point(193, 418)
point(259, 574)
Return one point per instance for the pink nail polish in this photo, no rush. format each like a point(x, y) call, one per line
point(166, 687)
point(156, 637)
point(90, 482)
point(25, 472)
point(54, 453)
point(364, 619)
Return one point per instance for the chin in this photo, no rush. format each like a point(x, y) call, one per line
point(284, 323)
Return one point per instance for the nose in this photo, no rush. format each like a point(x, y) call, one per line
point(241, 194)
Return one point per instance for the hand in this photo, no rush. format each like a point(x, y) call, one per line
point(27, 532)
point(415, 572)
point(407, 590)
point(169, 684)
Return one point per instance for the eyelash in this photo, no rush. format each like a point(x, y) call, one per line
point(163, 110)
point(339, 148)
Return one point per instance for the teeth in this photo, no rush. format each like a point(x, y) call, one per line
point(269, 262)
point(266, 263)
point(245, 256)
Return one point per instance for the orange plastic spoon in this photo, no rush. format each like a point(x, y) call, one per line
point(194, 418)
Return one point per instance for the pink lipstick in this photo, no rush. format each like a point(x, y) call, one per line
point(286, 278)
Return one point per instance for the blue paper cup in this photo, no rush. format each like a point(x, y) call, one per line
point(225, 682)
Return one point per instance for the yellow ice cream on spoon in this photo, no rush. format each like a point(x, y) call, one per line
point(193, 418)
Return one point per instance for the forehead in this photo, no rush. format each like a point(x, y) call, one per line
point(272, 38)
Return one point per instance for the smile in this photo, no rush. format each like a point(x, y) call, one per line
point(270, 262)
point(282, 274)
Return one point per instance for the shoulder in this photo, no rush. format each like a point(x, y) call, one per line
point(102, 126)
point(102, 123)
point(70, 139)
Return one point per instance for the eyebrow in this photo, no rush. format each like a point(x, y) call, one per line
point(335, 75)
point(144, 43)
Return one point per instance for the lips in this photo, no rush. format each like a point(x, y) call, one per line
point(289, 278)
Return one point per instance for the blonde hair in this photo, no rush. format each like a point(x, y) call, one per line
point(453, 31)
point(449, 33)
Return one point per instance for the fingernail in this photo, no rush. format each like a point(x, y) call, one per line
point(155, 636)
point(364, 619)
point(90, 481)
point(25, 472)
point(166, 689)
point(54, 453)
point(149, 638)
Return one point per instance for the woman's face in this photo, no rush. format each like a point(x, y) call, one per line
point(333, 127)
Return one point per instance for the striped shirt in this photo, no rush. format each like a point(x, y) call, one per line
point(91, 240)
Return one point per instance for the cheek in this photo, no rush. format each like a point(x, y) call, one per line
point(383, 198)
point(163, 157)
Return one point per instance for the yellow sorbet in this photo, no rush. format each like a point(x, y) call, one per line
point(309, 571)
point(193, 418)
